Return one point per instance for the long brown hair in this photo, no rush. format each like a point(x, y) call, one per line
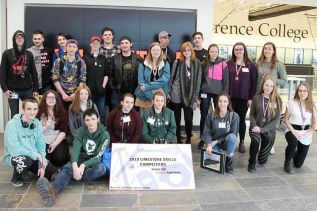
point(216, 112)
point(58, 108)
point(183, 48)
point(274, 59)
point(149, 57)
point(246, 58)
point(310, 106)
point(275, 99)
point(75, 106)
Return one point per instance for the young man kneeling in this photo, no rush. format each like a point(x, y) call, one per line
point(86, 164)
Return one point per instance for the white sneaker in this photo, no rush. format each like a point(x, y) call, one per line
point(272, 152)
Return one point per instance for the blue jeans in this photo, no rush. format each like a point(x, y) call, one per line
point(204, 107)
point(14, 103)
point(66, 174)
point(229, 145)
point(100, 100)
point(116, 98)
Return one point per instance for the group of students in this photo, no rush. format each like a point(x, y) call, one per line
point(160, 87)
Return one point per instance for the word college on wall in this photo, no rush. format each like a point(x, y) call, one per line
point(264, 29)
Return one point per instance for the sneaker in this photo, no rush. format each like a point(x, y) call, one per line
point(251, 168)
point(17, 182)
point(272, 152)
point(46, 191)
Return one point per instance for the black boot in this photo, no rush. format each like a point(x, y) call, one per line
point(251, 168)
point(201, 144)
point(228, 165)
point(188, 141)
point(288, 166)
point(241, 146)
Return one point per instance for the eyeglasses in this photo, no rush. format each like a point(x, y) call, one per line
point(51, 98)
point(238, 49)
point(303, 91)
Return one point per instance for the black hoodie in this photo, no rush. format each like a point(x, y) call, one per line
point(17, 70)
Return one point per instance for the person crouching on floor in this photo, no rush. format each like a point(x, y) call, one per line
point(24, 145)
point(90, 142)
point(220, 130)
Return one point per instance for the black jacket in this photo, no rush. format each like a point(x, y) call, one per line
point(97, 69)
point(11, 81)
point(116, 72)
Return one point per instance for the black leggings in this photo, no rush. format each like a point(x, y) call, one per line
point(188, 116)
point(23, 164)
point(298, 155)
point(241, 108)
point(60, 156)
point(266, 143)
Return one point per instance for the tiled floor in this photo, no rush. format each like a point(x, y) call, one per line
point(270, 188)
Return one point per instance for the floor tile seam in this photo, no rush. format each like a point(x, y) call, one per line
point(228, 202)
point(276, 186)
point(81, 195)
point(253, 177)
point(232, 189)
point(269, 200)
point(106, 193)
point(22, 198)
point(312, 183)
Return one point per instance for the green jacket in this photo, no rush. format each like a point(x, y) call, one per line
point(89, 147)
point(154, 129)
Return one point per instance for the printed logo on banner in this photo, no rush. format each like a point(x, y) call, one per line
point(151, 167)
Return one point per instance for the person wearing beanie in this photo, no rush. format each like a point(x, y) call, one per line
point(62, 41)
point(69, 72)
point(18, 75)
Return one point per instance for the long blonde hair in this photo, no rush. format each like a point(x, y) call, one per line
point(275, 100)
point(75, 106)
point(310, 106)
point(149, 57)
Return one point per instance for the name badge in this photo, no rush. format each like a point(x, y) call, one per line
point(245, 70)
point(150, 120)
point(222, 125)
point(203, 95)
point(126, 119)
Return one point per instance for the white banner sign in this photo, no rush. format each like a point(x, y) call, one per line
point(151, 167)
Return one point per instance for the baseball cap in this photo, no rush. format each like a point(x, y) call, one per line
point(95, 37)
point(73, 41)
point(163, 34)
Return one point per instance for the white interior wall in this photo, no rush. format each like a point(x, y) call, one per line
point(2, 48)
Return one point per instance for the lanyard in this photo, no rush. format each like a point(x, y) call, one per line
point(302, 114)
point(238, 69)
point(264, 108)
